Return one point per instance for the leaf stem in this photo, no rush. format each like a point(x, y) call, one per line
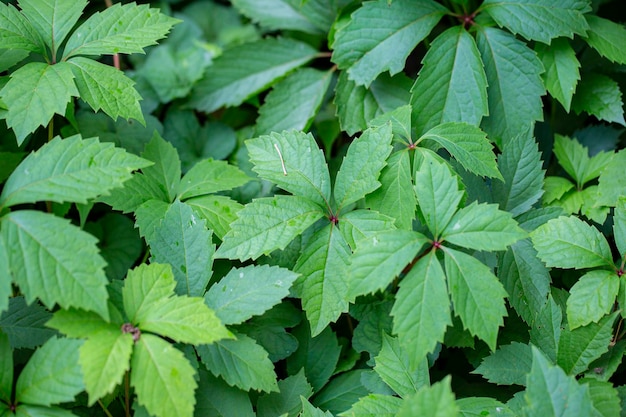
point(116, 57)
point(107, 412)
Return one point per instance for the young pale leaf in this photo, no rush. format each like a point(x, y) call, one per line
point(17, 32)
point(365, 53)
point(360, 224)
point(183, 241)
point(210, 176)
point(249, 291)
point(293, 102)
point(619, 228)
point(55, 261)
point(394, 365)
point(375, 405)
point(26, 325)
point(69, 170)
point(574, 159)
point(431, 401)
point(592, 297)
point(451, 86)
point(520, 165)
point(551, 393)
point(421, 312)
point(162, 377)
point(34, 93)
point(392, 198)
point(215, 398)
point(52, 375)
point(546, 329)
point(540, 20)
point(515, 86)
point(107, 88)
point(219, 212)
point(267, 224)
point(607, 38)
point(314, 17)
point(568, 242)
point(477, 295)
point(124, 29)
point(611, 185)
point(80, 324)
point(293, 161)
point(599, 96)
point(323, 286)
point(561, 65)
point(6, 368)
point(247, 69)
point(507, 365)
point(288, 399)
point(146, 286)
point(360, 169)
point(241, 363)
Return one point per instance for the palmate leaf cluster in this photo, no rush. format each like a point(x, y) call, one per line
point(312, 208)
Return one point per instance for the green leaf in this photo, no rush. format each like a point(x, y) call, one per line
point(604, 398)
point(477, 295)
point(360, 224)
point(6, 368)
point(360, 169)
point(144, 287)
point(35, 93)
point(244, 70)
point(421, 312)
point(610, 184)
point(561, 65)
point(515, 86)
point(606, 365)
point(508, 365)
point(17, 32)
point(219, 212)
point(555, 188)
point(26, 325)
point(483, 406)
point(342, 391)
point(241, 363)
point(575, 160)
point(149, 216)
point(106, 88)
point(183, 241)
point(451, 86)
point(8, 162)
point(288, 399)
point(521, 168)
point(394, 365)
point(619, 226)
point(546, 329)
point(55, 261)
point(162, 377)
point(568, 242)
point(482, 227)
point(323, 286)
point(293, 102)
point(249, 291)
point(599, 96)
point(309, 410)
point(431, 401)
point(365, 53)
point(29, 410)
point(539, 20)
point(210, 176)
point(267, 224)
point(550, 392)
point(69, 170)
point(5, 275)
point(52, 375)
point(293, 161)
point(124, 29)
point(80, 324)
point(592, 297)
point(215, 398)
point(375, 405)
point(165, 172)
point(607, 38)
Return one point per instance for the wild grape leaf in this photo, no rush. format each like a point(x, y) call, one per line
point(35, 93)
point(288, 399)
point(610, 184)
point(218, 399)
point(69, 170)
point(55, 261)
point(149, 216)
point(26, 325)
point(599, 96)
point(210, 176)
point(562, 75)
point(540, 20)
point(546, 329)
point(124, 29)
point(592, 297)
point(81, 324)
point(604, 397)
point(365, 53)
point(607, 38)
point(267, 224)
point(508, 365)
point(394, 364)
point(619, 227)
point(375, 405)
point(436, 400)
point(555, 188)
point(219, 212)
point(166, 168)
point(515, 86)
point(6, 368)
point(451, 86)
point(246, 69)
point(574, 159)
point(293, 102)
point(360, 224)
point(293, 161)
point(145, 286)
point(17, 32)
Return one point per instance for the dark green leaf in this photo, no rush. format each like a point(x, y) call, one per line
point(507, 365)
point(288, 399)
point(561, 65)
point(546, 330)
point(601, 97)
point(607, 38)
point(25, 325)
point(431, 401)
point(6, 368)
point(215, 398)
point(592, 297)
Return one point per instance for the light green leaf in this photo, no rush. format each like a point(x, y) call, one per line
point(293, 161)
point(219, 212)
point(323, 286)
point(244, 70)
point(619, 227)
point(508, 365)
point(52, 375)
point(431, 401)
point(607, 38)
point(26, 325)
point(568, 242)
point(395, 366)
point(55, 261)
point(592, 297)
point(124, 29)
point(599, 96)
point(539, 20)
point(17, 32)
point(360, 224)
point(451, 86)
point(477, 295)
point(210, 176)
point(555, 188)
point(366, 52)
point(309, 410)
point(288, 399)
point(267, 224)
point(241, 363)
point(6, 368)
point(515, 86)
point(574, 159)
point(374, 405)
point(183, 241)
point(293, 102)
point(165, 172)
point(561, 65)
point(610, 184)
point(483, 406)
point(69, 170)
point(145, 286)
point(249, 291)
point(421, 311)
point(79, 324)
point(29, 410)
point(162, 377)
point(546, 329)
point(149, 216)
point(136, 192)
point(215, 398)
point(35, 93)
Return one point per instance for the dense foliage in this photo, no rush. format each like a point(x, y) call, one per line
point(312, 207)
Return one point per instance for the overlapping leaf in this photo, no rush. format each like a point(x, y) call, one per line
point(16, 32)
point(208, 177)
point(395, 366)
point(600, 96)
point(360, 224)
point(431, 401)
point(508, 365)
point(607, 38)
point(561, 65)
point(592, 297)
